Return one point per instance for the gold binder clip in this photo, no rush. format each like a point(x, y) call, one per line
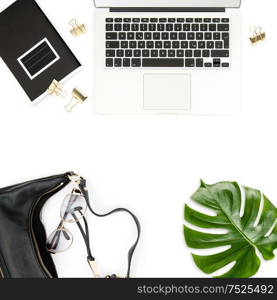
point(77, 29)
point(56, 89)
point(77, 98)
point(258, 35)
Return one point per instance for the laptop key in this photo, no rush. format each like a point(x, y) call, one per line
point(208, 36)
point(154, 53)
point(175, 44)
point(216, 62)
point(119, 53)
point(186, 27)
point(206, 53)
point(160, 27)
point(139, 36)
point(197, 53)
point(208, 65)
point(171, 53)
point(184, 44)
point(212, 27)
point(193, 45)
point(225, 20)
point(152, 27)
point(154, 20)
point(109, 62)
point(135, 27)
point(182, 36)
point(158, 44)
point(162, 53)
point(109, 20)
point(137, 53)
point(173, 36)
point(109, 27)
point(111, 36)
point(190, 62)
point(156, 36)
point(201, 45)
point(167, 44)
point(143, 27)
point(226, 42)
point(165, 36)
point(126, 27)
point(141, 44)
point(163, 62)
point(225, 65)
point(124, 44)
point(150, 44)
point(188, 53)
point(199, 62)
point(191, 36)
point(148, 36)
point(220, 53)
point(110, 53)
point(223, 27)
point(112, 44)
point(136, 62)
point(210, 44)
point(127, 20)
point(180, 53)
point(117, 27)
point(130, 35)
point(122, 36)
point(118, 62)
point(218, 45)
point(133, 44)
point(145, 53)
point(128, 53)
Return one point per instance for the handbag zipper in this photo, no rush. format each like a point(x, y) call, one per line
point(33, 234)
point(3, 268)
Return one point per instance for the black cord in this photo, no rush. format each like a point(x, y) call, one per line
point(84, 191)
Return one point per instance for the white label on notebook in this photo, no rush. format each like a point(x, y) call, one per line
point(38, 58)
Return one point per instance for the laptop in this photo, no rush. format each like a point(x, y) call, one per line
point(167, 57)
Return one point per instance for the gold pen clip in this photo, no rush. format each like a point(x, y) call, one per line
point(258, 35)
point(77, 29)
point(77, 98)
point(56, 89)
point(93, 266)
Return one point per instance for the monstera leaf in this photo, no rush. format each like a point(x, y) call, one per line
point(254, 231)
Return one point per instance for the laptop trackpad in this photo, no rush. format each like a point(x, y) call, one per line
point(167, 91)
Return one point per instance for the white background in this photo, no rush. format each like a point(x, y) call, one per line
point(150, 164)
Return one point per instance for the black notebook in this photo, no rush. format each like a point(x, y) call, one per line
point(32, 48)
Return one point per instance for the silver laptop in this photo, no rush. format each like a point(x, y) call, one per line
point(167, 57)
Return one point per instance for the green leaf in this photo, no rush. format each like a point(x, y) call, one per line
point(244, 236)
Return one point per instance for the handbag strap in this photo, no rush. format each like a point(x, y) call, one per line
point(83, 188)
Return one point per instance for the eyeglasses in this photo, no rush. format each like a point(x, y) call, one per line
point(73, 210)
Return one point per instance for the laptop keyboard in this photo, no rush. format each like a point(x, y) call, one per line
point(167, 42)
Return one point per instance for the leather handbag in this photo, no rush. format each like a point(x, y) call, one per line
point(23, 252)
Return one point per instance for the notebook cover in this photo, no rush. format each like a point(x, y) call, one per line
point(32, 48)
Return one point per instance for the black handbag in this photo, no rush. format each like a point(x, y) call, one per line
point(23, 252)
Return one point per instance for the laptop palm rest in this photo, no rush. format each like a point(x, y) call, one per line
point(167, 91)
